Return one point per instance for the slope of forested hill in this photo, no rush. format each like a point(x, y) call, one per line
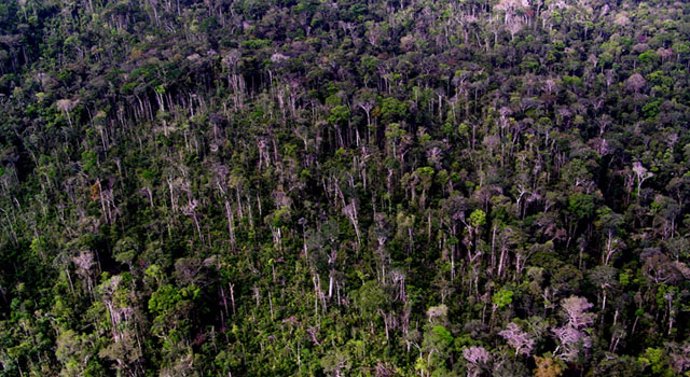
point(344, 188)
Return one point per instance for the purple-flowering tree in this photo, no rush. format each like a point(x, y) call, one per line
point(571, 342)
point(477, 357)
point(680, 358)
point(575, 309)
point(572, 338)
point(521, 341)
point(635, 83)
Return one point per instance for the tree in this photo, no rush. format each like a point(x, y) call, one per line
point(547, 367)
point(572, 337)
point(363, 188)
point(477, 359)
point(521, 341)
point(635, 83)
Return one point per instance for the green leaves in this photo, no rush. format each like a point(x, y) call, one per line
point(572, 81)
point(392, 110)
point(282, 188)
point(164, 299)
point(656, 360)
point(442, 335)
point(257, 43)
point(89, 162)
point(477, 218)
point(648, 57)
point(652, 108)
point(502, 298)
point(339, 115)
point(370, 298)
point(581, 206)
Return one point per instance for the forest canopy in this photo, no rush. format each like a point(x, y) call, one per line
point(349, 188)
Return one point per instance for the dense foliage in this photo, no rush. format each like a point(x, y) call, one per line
point(373, 188)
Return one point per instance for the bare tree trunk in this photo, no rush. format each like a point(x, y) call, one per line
point(231, 223)
point(232, 296)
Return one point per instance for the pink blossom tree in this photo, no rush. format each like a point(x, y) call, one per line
point(572, 337)
point(477, 358)
point(521, 341)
